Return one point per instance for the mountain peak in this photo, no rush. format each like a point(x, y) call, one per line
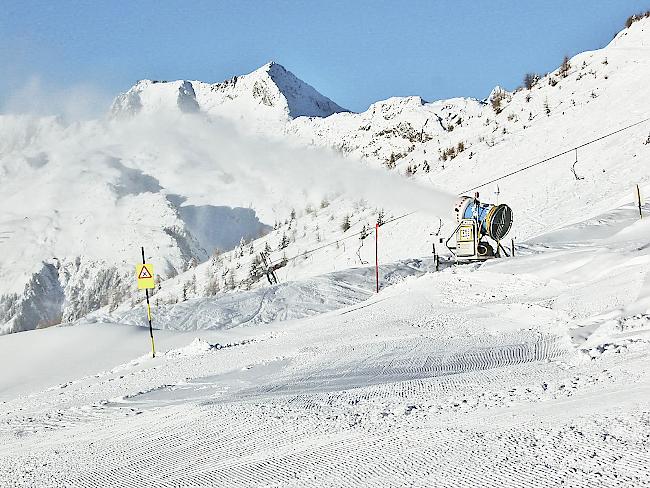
point(269, 92)
point(273, 83)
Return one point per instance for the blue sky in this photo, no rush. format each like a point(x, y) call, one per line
point(355, 52)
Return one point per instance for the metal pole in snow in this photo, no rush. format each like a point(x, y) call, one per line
point(377, 255)
point(146, 291)
point(638, 198)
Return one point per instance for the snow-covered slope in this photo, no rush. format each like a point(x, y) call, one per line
point(74, 218)
point(80, 198)
point(602, 91)
point(541, 357)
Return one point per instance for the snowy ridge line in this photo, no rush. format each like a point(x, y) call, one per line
point(557, 155)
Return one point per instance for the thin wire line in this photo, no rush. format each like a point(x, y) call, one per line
point(305, 253)
point(556, 155)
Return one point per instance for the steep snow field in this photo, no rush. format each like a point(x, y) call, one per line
point(526, 371)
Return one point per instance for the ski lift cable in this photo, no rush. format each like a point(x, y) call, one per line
point(350, 236)
point(550, 158)
point(546, 160)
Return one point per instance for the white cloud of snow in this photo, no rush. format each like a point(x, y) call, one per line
point(206, 160)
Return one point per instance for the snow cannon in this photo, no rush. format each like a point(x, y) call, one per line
point(481, 227)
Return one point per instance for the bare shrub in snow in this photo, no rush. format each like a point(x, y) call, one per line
point(452, 152)
point(636, 17)
point(497, 101)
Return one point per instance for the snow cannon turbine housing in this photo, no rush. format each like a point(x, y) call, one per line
point(478, 224)
point(495, 221)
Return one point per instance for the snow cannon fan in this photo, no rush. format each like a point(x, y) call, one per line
point(478, 224)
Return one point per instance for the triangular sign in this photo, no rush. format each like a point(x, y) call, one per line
point(144, 273)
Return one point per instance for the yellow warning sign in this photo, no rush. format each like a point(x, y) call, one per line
point(144, 273)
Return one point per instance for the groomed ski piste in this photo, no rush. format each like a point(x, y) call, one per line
point(525, 371)
point(530, 371)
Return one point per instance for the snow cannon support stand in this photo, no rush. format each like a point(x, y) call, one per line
point(481, 227)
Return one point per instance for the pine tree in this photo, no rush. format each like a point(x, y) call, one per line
point(346, 223)
point(256, 268)
point(192, 287)
point(530, 80)
point(230, 284)
point(565, 67)
point(213, 286)
point(364, 232)
point(380, 218)
point(284, 242)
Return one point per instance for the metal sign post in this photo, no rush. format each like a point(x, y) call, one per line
point(144, 275)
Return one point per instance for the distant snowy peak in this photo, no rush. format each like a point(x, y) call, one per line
point(301, 99)
point(268, 93)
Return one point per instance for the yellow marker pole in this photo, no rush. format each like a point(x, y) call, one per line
point(146, 291)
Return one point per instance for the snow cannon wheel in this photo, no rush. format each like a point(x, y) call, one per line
point(499, 221)
point(484, 250)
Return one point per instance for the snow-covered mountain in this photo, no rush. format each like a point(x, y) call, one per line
point(542, 360)
point(268, 94)
point(79, 199)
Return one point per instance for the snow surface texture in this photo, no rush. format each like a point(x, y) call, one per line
point(529, 371)
point(471, 376)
